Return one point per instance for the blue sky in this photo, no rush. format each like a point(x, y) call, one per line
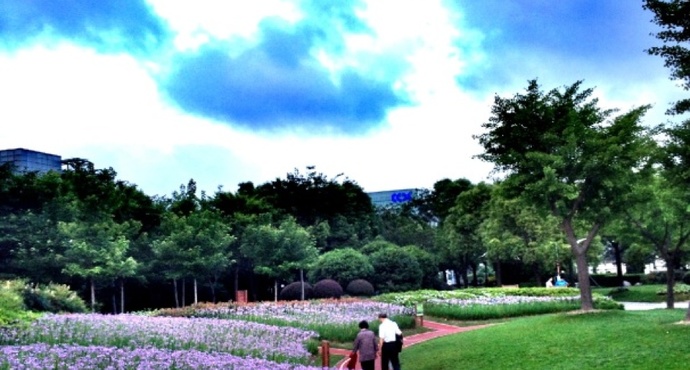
point(388, 92)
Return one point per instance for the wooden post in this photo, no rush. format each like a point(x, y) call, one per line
point(325, 354)
point(241, 296)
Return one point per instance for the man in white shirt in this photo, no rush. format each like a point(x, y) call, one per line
point(387, 346)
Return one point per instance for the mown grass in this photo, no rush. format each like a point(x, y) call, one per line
point(641, 293)
point(599, 340)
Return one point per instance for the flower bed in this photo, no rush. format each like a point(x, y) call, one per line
point(332, 319)
point(45, 356)
point(239, 338)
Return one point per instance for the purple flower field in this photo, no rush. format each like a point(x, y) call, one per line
point(46, 356)
point(305, 313)
point(172, 334)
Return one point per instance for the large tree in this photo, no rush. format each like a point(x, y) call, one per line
point(279, 251)
point(517, 230)
point(674, 18)
point(314, 198)
point(564, 154)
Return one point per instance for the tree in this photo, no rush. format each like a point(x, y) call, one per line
point(97, 250)
point(516, 230)
point(676, 164)
point(315, 198)
point(674, 18)
point(559, 151)
point(463, 244)
point(195, 245)
point(279, 251)
point(660, 214)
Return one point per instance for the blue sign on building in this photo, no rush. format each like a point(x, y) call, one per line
point(392, 198)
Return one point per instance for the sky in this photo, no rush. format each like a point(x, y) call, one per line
point(388, 93)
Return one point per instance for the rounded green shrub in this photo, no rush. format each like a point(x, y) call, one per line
point(328, 288)
point(360, 288)
point(342, 265)
point(293, 291)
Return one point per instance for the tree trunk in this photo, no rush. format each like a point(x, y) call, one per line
point(213, 288)
point(184, 292)
point(583, 281)
point(122, 295)
point(499, 277)
point(301, 281)
point(196, 297)
point(93, 296)
point(275, 290)
point(619, 262)
point(670, 282)
point(474, 274)
point(687, 314)
point(114, 301)
point(177, 298)
point(236, 284)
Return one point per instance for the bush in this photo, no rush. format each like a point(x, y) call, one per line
point(360, 288)
point(397, 270)
point(53, 298)
point(293, 291)
point(328, 288)
point(343, 266)
point(11, 304)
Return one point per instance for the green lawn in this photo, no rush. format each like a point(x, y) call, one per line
point(639, 293)
point(602, 340)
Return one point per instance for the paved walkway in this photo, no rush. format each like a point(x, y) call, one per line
point(641, 306)
point(438, 330)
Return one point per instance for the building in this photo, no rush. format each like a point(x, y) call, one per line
point(392, 198)
point(25, 160)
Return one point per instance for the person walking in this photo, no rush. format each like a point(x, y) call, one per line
point(387, 346)
point(367, 345)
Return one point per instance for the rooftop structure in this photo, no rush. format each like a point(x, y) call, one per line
point(25, 160)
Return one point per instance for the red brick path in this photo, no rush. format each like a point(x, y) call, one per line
point(438, 330)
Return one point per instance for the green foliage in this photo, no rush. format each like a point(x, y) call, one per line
point(360, 288)
point(342, 265)
point(672, 16)
point(293, 291)
point(328, 288)
point(429, 265)
point(277, 251)
point(53, 298)
point(564, 154)
point(396, 270)
point(11, 302)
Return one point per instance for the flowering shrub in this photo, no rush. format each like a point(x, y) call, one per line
point(45, 356)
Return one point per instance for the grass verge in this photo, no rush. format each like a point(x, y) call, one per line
point(599, 340)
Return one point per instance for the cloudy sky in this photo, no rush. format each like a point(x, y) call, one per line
point(387, 92)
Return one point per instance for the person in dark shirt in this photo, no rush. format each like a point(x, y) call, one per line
point(367, 345)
